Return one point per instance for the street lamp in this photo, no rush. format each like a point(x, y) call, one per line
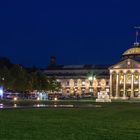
point(91, 79)
point(90, 88)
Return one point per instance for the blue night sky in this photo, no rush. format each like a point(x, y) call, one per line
point(76, 32)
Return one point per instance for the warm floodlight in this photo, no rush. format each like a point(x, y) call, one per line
point(94, 78)
point(15, 98)
point(55, 99)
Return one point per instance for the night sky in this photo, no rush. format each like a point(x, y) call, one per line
point(76, 32)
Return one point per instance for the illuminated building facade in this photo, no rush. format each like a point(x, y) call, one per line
point(80, 79)
point(121, 80)
point(125, 75)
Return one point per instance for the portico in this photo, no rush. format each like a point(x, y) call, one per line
point(125, 75)
point(124, 83)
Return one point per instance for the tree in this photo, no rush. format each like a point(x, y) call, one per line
point(5, 77)
point(19, 78)
point(54, 85)
point(39, 81)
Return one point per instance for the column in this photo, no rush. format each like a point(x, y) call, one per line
point(132, 86)
point(110, 84)
point(124, 84)
point(117, 82)
point(139, 85)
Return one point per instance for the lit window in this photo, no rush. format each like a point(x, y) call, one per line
point(83, 83)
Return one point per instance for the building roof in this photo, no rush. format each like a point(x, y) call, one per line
point(133, 51)
point(77, 67)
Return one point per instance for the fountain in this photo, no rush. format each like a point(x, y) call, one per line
point(103, 97)
point(103, 94)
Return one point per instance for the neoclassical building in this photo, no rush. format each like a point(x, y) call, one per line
point(125, 75)
point(121, 80)
point(79, 79)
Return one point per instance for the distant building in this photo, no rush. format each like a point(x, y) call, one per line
point(80, 79)
point(121, 80)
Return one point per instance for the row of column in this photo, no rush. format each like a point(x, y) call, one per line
point(124, 85)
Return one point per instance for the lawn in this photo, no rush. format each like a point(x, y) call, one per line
point(115, 121)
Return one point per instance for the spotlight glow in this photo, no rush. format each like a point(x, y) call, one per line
point(15, 98)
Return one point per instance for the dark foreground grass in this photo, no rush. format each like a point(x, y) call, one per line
point(112, 122)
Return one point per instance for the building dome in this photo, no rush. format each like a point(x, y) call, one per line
point(133, 52)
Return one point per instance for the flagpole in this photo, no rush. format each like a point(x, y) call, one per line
point(136, 36)
point(137, 33)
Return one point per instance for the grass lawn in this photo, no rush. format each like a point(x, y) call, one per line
point(115, 121)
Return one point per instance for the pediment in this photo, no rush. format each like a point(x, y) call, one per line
point(126, 64)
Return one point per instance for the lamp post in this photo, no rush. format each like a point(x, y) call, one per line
point(90, 87)
point(91, 79)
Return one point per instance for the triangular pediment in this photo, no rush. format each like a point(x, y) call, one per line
point(126, 64)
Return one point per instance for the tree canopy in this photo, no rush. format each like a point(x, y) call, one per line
point(17, 78)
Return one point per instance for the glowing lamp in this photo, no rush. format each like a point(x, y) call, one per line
point(55, 99)
point(1, 92)
point(15, 98)
point(90, 78)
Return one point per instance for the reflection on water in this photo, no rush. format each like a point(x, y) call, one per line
point(3, 106)
point(15, 105)
point(55, 106)
point(39, 105)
